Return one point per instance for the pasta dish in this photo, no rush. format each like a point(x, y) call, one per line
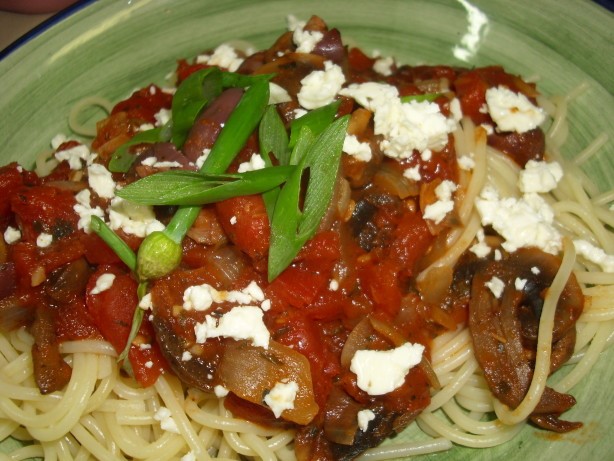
point(297, 253)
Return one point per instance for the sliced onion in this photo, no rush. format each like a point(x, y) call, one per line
point(250, 372)
point(226, 264)
point(14, 314)
point(391, 180)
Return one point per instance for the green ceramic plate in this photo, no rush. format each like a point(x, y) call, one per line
point(110, 47)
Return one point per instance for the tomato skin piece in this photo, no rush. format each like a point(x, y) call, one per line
point(112, 311)
point(144, 103)
point(44, 209)
point(74, 322)
point(11, 180)
point(251, 230)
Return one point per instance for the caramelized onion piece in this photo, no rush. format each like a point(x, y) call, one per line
point(250, 372)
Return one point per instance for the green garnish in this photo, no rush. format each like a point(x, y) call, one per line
point(317, 120)
point(182, 187)
point(121, 248)
point(233, 136)
point(122, 159)
point(137, 319)
point(194, 93)
point(420, 97)
point(291, 227)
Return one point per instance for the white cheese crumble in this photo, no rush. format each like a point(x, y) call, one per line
point(405, 126)
point(149, 364)
point(12, 235)
point(496, 286)
point(320, 87)
point(535, 270)
point(85, 211)
point(145, 302)
point(162, 117)
point(155, 163)
point(103, 283)
point(44, 240)
point(333, 285)
point(133, 218)
point(233, 220)
point(201, 297)
point(75, 155)
point(201, 160)
point(223, 56)
point(498, 255)
point(383, 66)
point(466, 163)
point(220, 391)
point(523, 222)
point(167, 423)
point(359, 150)
point(298, 113)
point(146, 127)
point(144, 346)
point(101, 181)
point(305, 40)
point(513, 111)
point(481, 248)
point(278, 94)
point(595, 255)
point(437, 211)
point(519, 283)
point(413, 173)
point(281, 397)
point(539, 176)
point(380, 372)
point(456, 109)
point(186, 356)
point(239, 323)
point(256, 162)
point(364, 417)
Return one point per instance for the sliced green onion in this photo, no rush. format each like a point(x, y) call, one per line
point(194, 93)
point(121, 248)
point(317, 120)
point(137, 319)
point(273, 140)
point(122, 159)
point(191, 188)
point(291, 227)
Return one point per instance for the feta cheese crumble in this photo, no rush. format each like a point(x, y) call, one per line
point(364, 418)
point(523, 222)
point(437, 211)
point(513, 111)
point(155, 163)
point(103, 283)
point(100, 180)
point(145, 302)
point(44, 240)
point(85, 211)
point(12, 235)
point(380, 372)
point(305, 40)
point(413, 173)
point(320, 87)
point(75, 156)
point(186, 356)
point(481, 248)
point(133, 218)
point(519, 283)
point(278, 94)
point(256, 162)
point(496, 286)
point(404, 126)
point(239, 323)
point(281, 397)
point(223, 56)
point(201, 297)
point(540, 177)
point(359, 150)
point(466, 163)
point(220, 391)
point(167, 423)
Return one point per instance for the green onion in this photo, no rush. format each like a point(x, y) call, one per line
point(194, 93)
point(420, 97)
point(291, 227)
point(121, 248)
point(237, 129)
point(317, 120)
point(190, 188)
point(122, 159)
point(137, 319)
point(273, 140)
